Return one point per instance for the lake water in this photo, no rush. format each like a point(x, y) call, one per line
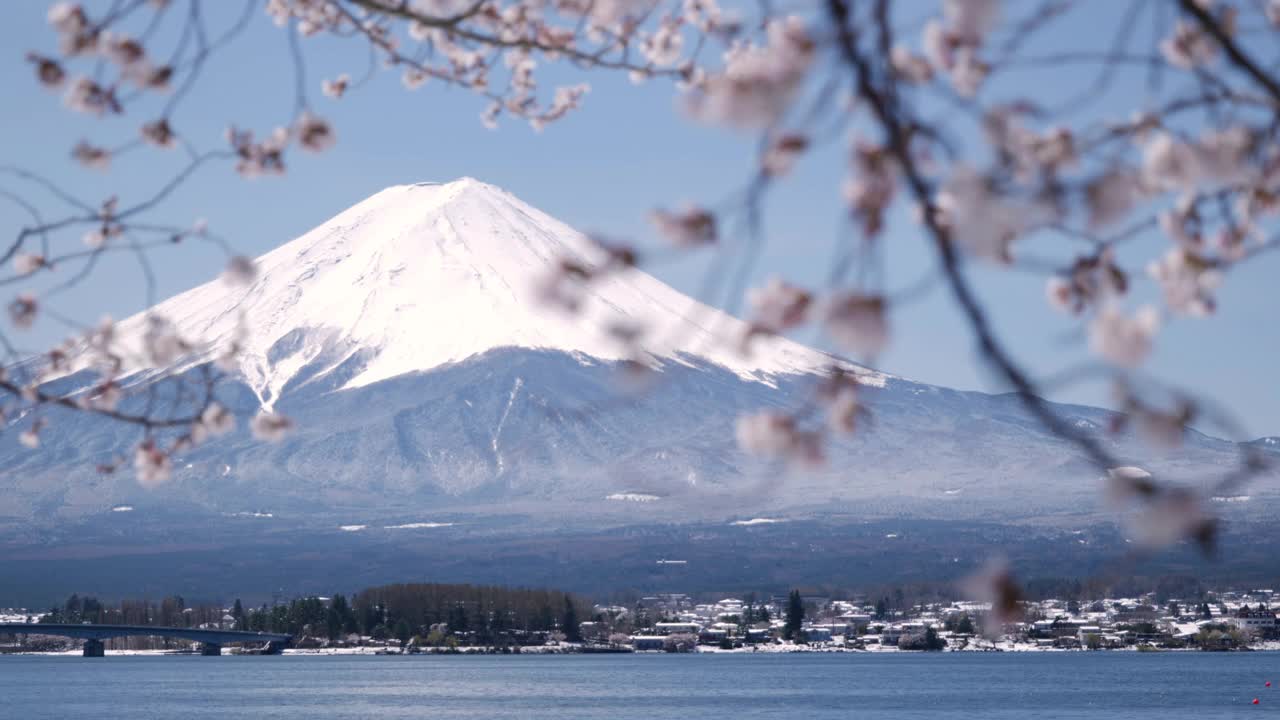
point(1168, 686)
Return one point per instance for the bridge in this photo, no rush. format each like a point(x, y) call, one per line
point(211, 641)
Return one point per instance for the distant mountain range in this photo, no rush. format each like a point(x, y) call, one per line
point(432, 392)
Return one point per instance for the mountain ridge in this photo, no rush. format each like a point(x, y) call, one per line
point(424, 382)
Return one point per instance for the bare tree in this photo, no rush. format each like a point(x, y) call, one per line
point(899, 90)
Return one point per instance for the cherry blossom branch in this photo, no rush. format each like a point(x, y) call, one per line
point(1234, 52)
point(896, 135)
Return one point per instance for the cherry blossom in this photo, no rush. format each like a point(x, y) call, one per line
point(689, 227)
point(1090, 281)
point(22, 311)
point(1113, 196)
point(27, 263)
point(767, 433)
point(783, 152)
point(994, 585)
point(1189, 46)
point(1121, 339)
point(152, 465)
point(270, 426)
point(871, 188)
point(979, 219)
point(778, 306)
point(240, 271)
point(106, 396)
point(336, 87)
point(159, 133)
point(1188, 281)
point(1169, 516)
point(91, 156)
point(214, 421)
point(857, 322)
point(48, 71)
point(910, 67)
point(314, 133)
point(30, 438)
point(758, 82)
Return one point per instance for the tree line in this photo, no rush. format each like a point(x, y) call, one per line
point(478, 614)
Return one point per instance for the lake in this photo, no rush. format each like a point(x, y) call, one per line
point(1168, 686)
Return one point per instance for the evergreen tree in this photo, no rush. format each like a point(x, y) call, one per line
point(932, 641)
point(403, 631)
point(795, 616)
point(569, 621)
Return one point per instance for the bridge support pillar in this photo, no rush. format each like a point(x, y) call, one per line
point(95, 648)
point(210, 649)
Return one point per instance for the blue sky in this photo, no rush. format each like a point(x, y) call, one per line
point(602, 169)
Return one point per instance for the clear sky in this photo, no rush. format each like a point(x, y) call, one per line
point(602, 169)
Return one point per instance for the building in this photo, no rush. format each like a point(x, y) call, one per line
point(674, 628)
point(649, 642)
point(1259, 621)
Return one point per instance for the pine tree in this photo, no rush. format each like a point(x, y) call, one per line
point(795, 616)
point(403, 631)
point(569, 622)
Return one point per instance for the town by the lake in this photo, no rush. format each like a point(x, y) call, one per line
point(415, 619)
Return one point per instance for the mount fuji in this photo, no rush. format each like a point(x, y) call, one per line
point(434, 394)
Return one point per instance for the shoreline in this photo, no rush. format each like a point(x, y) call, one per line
point(701, 650)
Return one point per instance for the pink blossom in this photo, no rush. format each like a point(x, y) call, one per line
point(270, 426)
point(1188, 281)
point(689, 227)
point(91, 156)
point(336, 87)
point(778, 306)
point(27, 263)
point(857, 322)
point(22, 311)
point(767, 433)
point(1123, 340)
point(314, 133)
point(758, 83)
point(240, 271)
point(783, 152)
point(152, 465)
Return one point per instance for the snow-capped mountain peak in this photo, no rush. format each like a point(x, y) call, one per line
point(419, 276)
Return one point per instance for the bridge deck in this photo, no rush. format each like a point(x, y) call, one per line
point(103, 632)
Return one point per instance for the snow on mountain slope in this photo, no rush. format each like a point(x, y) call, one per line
point(404, 339)
point(418, 276)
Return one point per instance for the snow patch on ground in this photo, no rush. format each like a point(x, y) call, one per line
point(633, 497)
point(418, 526)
